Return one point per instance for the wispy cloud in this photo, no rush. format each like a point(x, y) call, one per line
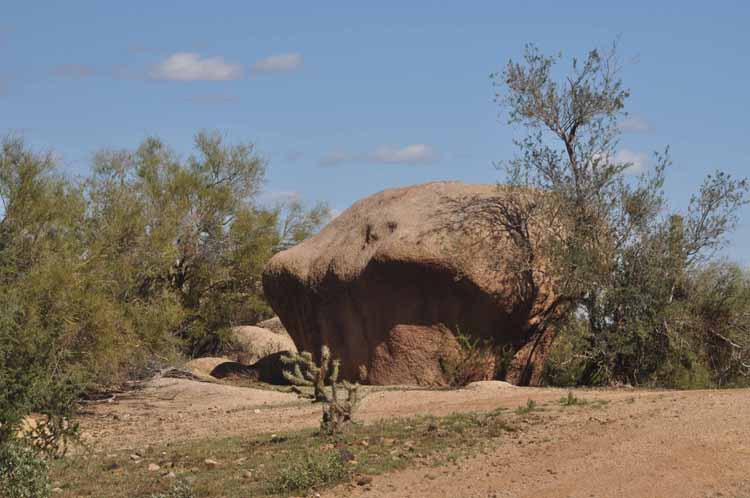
point(213, 99)
point(634, 124)
point(73, 71)
point(337, 157)
point(386, 154)
point(281, 63)
point(410, 154)
point(190, 66)
point(638, 161)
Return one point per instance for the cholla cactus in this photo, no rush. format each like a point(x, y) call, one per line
point(336, 413)
point(307, 373)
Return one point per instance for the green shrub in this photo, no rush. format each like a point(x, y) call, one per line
point(565, 363)
point(180, 489)
point(531, 406)
point(22, 473)
point(572, 400)
point(309, 471)
point(471, 363)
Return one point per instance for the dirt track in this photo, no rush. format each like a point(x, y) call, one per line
point(643, 444)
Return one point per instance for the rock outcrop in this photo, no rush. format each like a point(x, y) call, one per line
point(251, 343)
point(384, 280)
point(274, 325)
point(269, 369)
point(202, 367)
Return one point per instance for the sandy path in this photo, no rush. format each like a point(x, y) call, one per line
point(684, 444)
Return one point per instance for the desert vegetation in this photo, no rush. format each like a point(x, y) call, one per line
point(152, 258)
point(110, 277)
point(640, 296)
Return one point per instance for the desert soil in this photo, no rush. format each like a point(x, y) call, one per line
point(642, 444)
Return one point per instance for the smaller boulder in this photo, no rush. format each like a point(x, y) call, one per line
point(274, 325)
point(251, 343)
point(270, 369)
point(229, 369)
point(202, 367)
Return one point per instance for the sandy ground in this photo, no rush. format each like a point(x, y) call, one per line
point(643, 444)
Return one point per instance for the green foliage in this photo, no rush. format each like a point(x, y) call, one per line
point(625, 269)
point(310, 470)
point(108, 278)
point(22, 473)
point(472, 362)
point(180, 489)
point(701, 339)
point(187, 238)
point(531, 406)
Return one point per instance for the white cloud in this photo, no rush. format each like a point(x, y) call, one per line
point(281, 63)
point(190, 66)
point(634, 124)
point(411, 154)
point(638, 161)
point(386, 154)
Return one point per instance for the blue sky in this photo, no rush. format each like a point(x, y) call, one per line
point(345, 99)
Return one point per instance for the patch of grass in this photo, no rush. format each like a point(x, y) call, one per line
point(531, 406)
point(600, 403)
point(572, 400)
point(180, 489)
point(310, 471)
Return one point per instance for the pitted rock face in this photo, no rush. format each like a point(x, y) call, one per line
point(406, 257)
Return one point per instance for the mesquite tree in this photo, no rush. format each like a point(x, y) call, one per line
point(619, 259)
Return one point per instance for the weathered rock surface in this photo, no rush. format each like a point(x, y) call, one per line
point(274, 325)
point(409, 257)
point(418, 354)
point(251, 343)
point(202, 367)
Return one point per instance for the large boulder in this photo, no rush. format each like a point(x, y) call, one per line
point(400, 265)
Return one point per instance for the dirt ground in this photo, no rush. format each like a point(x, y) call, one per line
point(643, 444)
